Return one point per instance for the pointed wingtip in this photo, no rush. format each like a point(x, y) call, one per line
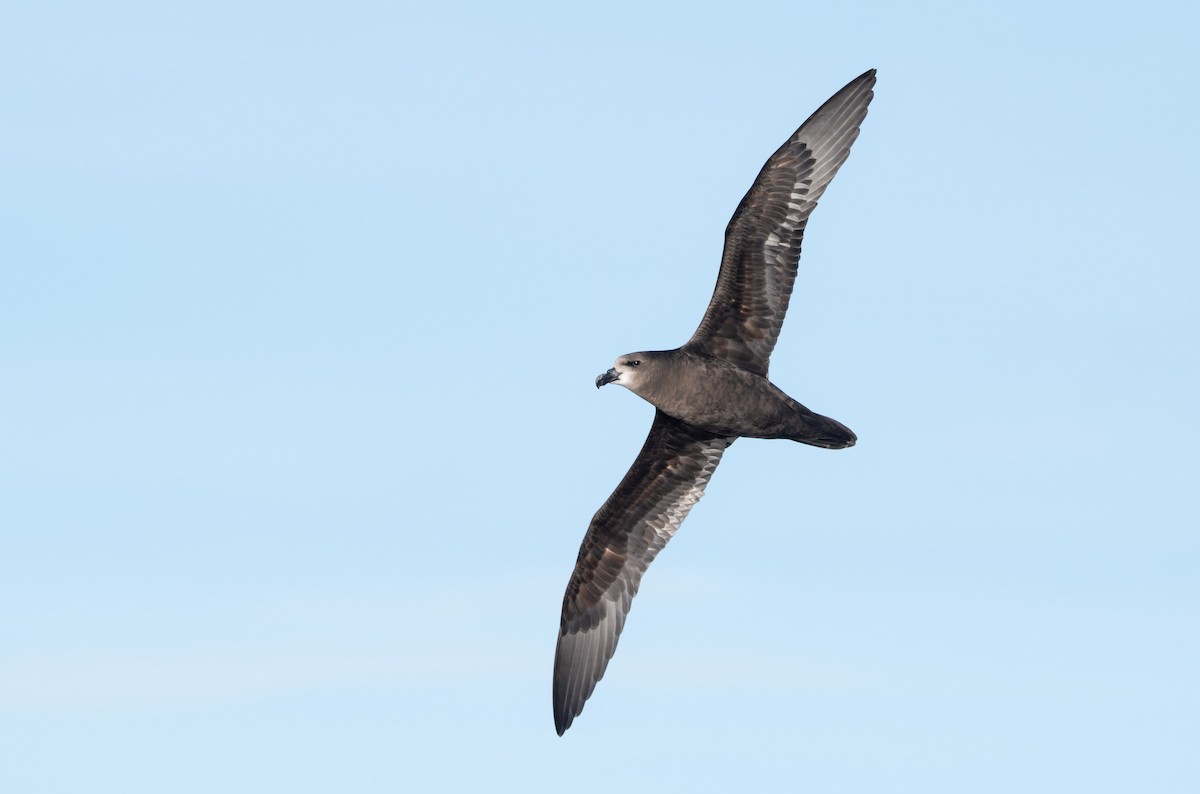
point(561, 703)
point(866, 79)
point(562, 716)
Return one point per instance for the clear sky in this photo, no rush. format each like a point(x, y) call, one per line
point(300, 309)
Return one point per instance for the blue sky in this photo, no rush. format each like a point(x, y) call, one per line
point(300, 308)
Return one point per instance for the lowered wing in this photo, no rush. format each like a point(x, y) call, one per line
point(627, 532)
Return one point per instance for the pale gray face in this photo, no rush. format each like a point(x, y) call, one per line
point(626, 371)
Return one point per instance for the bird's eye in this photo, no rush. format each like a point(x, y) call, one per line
point(634, 363)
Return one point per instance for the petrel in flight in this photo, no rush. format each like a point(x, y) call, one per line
point(706, 393)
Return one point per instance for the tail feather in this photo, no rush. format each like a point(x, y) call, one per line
point(821, 431)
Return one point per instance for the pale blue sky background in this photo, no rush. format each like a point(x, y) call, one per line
point(300, 308)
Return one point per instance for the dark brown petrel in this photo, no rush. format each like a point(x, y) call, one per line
point(707, 393)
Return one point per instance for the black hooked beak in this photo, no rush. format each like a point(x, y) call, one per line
point(607, 377)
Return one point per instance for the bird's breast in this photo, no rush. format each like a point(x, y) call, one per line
point(725, 400)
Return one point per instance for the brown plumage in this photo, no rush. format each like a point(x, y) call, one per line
point(707, 393)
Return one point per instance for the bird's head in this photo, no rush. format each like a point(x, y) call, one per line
point(630, 370)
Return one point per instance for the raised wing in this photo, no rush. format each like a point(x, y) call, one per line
point(762, 240)
point(625, 535)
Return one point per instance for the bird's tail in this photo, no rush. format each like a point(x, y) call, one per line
point(820, 431)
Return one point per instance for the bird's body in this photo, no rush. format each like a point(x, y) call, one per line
point(707, 392)
point(724, 399)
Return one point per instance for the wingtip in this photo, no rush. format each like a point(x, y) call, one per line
point(858, 92)
point(866, 79)
point(562, 717)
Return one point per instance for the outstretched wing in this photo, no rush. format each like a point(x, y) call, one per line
point(625, 535)
point(762, 240)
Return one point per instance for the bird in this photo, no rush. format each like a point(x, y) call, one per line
point(706, 393)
